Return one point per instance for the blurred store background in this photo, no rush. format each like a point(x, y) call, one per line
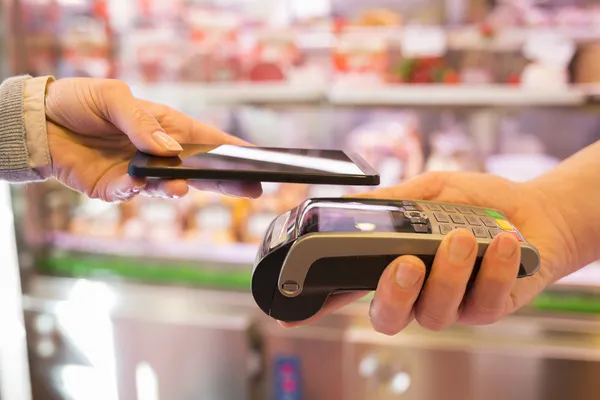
point(150, 300)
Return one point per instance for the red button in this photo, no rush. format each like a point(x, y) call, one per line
point(517, 236)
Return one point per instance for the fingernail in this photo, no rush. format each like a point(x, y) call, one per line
point(166, 141)
point(506, 247)
point(383, 319)
point(374, 310)
point(460, 247)
point(407, 276)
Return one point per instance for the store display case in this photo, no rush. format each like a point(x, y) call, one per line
point(411, 86)
point(532, 359)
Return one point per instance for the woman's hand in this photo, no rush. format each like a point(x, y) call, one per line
point(496, 292)
point(95, 127)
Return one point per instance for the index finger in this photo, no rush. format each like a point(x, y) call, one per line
point(249, 190)
point(187, 129)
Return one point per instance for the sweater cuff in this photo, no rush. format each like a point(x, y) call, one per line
point(15, 162)
point(36, 131)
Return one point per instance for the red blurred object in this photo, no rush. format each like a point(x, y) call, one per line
point(487, 30)
point(151, 68)
point(100, 9)
point(358, 53)
point(421, 76)
point(514, 79)
point(430, 62)
point(362, 61)
point(451, 78)
point(214, 48)
point(338, 25)
point(393, 79)
point(266, 72)
point(273, 55)
point(422, 71)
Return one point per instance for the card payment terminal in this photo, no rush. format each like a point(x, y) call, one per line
point(326, 246)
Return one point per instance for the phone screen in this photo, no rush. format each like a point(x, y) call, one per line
point(235, 162)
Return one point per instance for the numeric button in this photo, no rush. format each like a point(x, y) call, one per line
point(494, 232)
point(478, 211)
point(449, 208)
point(473, 220)
point(458, 219)
point(434, 207)
point(464, 210)
point(445, 229)
point(440, 217)
point(480, 232)
point(489, 222)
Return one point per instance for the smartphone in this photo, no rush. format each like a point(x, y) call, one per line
point(259, 164)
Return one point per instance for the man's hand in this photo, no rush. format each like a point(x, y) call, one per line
point(95, 127)
point(496, 292)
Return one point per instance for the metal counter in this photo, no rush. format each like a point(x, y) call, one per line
point(159, 342)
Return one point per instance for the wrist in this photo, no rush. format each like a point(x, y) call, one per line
point(575, 216)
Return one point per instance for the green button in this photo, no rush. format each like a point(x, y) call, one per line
point(494, 214)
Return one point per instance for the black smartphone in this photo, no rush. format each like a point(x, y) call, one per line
point(258, 164)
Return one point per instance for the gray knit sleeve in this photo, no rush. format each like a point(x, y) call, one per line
point(14, 157)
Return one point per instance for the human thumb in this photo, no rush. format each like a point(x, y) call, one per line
point(124, 111)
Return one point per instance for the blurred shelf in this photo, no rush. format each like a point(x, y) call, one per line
point(122, 269)
point(466, 37)
point(351, 95)
point(513, 38)
point(440, 95)
point(242, 254)
point(234, 93)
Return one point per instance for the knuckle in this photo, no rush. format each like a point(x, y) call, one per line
point(433, 183)
point(114, 87)
point(95, 195)
point(118, 84)
point(435, 176)
point(139, 113)
point(160, 111)
point(98, 192)
point(432, 321)
point(479, 312)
